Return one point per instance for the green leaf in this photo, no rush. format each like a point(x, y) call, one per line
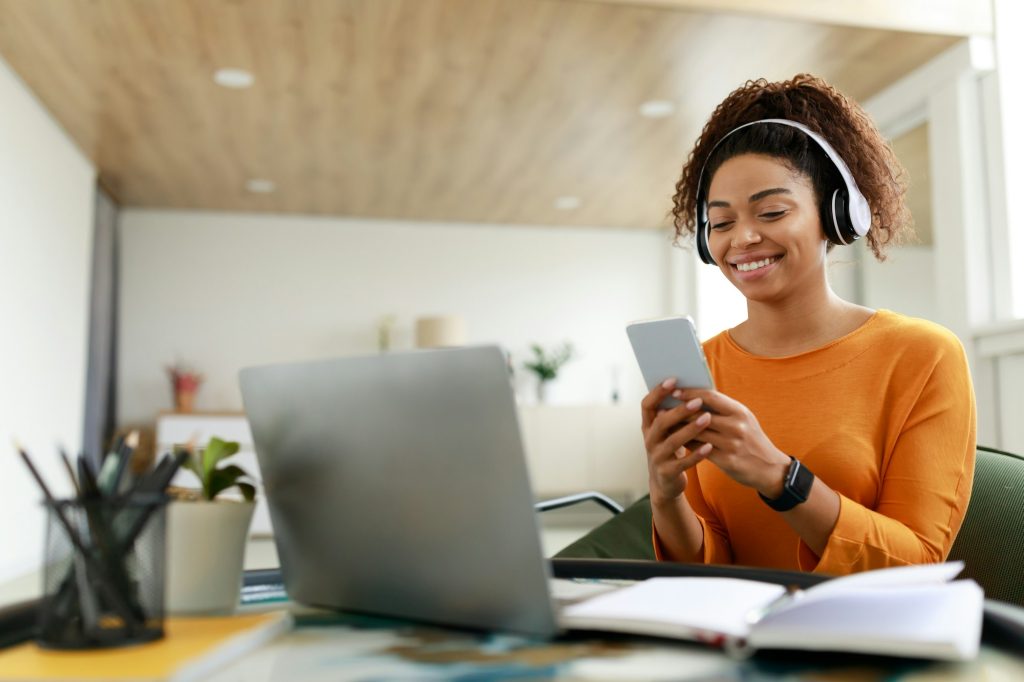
point(248, 491)
point(224, 478)
point(215, 451)
point(215, 478)
point(546, 365)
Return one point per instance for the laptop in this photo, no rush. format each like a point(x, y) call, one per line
point(397, 485)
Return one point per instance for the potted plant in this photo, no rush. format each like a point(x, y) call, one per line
point(184, 385)
point(207, 533)
point(546, 364)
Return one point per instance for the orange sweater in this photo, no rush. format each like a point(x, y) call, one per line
point(884, 415)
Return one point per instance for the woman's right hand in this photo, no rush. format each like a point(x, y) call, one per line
point(666, 432)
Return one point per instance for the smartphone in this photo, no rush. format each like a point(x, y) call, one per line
point(668, 348)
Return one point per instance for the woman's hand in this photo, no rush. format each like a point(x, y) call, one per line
point(666, 432)
point(738, 446)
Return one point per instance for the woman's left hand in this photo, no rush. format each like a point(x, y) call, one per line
point(739, 447)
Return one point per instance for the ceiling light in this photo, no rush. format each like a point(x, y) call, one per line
point(233, 78)
point(567, 203)
point(260, 186)
point(657, 108)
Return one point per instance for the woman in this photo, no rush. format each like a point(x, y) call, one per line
point(839, 438)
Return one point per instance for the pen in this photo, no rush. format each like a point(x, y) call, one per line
point(115, 464)
point(87, 478)
point(154, 483)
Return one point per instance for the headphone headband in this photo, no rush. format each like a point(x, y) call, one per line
point(858, 210)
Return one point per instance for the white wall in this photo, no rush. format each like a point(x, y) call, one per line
point(1009, 138)
point(46, 208)
point(904, 282)
point(222, 291)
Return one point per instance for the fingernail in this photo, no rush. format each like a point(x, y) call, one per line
point(668, 383)
point(693, 404)
point(704, 418)
point(677, 394)
point(680, 453)
point(704, 449)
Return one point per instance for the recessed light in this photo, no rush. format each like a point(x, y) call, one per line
point(657, 108)
point(260, 186)
point(567, 203)
point(233, 78)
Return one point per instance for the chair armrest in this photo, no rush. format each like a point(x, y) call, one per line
point(559, 502)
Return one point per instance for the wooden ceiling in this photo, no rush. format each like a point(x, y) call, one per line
point(444, 110)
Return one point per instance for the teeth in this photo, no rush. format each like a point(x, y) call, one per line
point(747, 267)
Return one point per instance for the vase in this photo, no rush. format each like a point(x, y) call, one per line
point(543, 392)
point(205, 555)
point(184, 401)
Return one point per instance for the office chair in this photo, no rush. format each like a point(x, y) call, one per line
point(990, 542)
point(627, 535)
point(991, 539)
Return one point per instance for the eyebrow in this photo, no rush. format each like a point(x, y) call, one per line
point(757, 196)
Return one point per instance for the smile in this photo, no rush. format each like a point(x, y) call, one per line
point(757, 264)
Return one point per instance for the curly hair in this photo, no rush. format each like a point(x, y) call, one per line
point(809, 100)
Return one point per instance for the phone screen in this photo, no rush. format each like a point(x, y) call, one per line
point(669, 348)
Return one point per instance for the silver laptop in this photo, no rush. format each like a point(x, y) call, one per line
point(397, 485)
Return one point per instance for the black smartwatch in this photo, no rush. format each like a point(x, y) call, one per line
point(795, 487)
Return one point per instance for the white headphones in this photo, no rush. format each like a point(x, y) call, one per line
point(846, 215)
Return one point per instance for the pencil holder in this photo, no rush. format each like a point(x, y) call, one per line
point(103, 573)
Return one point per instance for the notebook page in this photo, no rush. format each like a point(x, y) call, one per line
point(714, 604)
point(934, 621)
point(900, 576)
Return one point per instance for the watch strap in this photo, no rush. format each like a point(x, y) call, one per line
point(795, 488)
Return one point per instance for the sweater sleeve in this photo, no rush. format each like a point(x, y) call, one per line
point(925, 486)
point(716, 548)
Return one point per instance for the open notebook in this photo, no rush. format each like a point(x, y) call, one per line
point(908, 611)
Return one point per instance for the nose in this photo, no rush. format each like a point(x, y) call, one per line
point(745, 235)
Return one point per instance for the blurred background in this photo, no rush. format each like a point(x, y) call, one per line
point(204, 185)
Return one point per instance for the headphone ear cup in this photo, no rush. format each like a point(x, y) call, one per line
point(701, 234)
point(836, 220)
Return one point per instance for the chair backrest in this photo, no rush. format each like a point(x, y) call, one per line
point(991, 539)
point(990, 542)
point(627, 535)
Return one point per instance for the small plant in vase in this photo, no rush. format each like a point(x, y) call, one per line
point(207, 532)
point(214, 478)
point(546, 364)
point(184, 385)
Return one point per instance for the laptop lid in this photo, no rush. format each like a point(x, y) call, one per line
point(397, 485)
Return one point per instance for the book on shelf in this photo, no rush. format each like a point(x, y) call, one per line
point(914, 611)
point(191, 649)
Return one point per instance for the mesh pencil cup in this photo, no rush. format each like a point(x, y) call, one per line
point(103, 577)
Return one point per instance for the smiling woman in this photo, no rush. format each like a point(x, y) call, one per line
point(839, 438)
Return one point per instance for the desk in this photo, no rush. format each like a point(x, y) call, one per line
point(354, 648)
point(328, 646)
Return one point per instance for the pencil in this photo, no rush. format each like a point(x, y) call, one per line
point(71, 472)
point(124, 454)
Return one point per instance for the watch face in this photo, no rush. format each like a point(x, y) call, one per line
point(799, 480)
point(795, 488)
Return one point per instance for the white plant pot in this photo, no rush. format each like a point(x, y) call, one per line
point(205, 554)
